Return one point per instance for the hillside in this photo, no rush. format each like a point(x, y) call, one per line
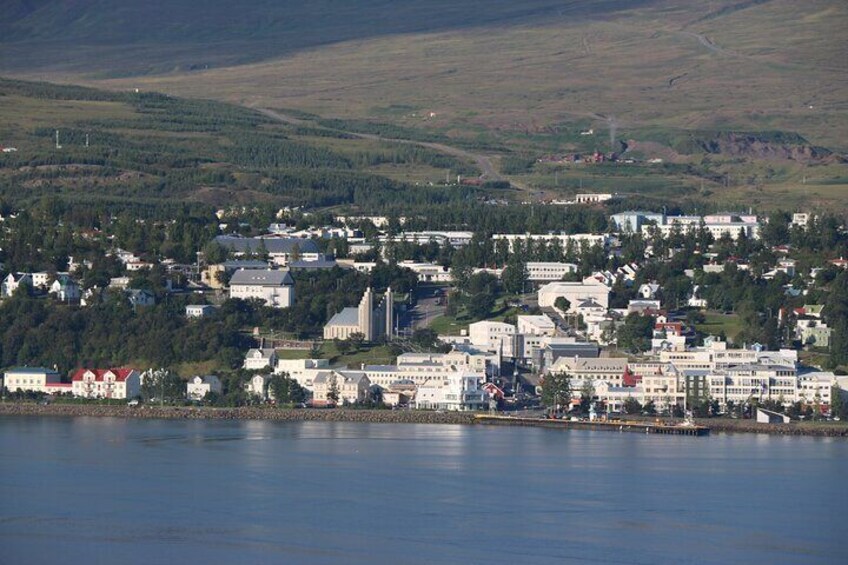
point(122, 149)
point(144, 149)
point(498, 65)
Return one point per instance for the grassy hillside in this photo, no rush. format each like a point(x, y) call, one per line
point(129, 149)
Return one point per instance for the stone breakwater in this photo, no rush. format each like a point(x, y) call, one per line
point(243, 413)
point(791, 429)
point(365, 416)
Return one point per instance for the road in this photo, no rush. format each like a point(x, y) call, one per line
point(483, 162)
point(426, 308)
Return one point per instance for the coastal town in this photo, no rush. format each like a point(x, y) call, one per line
point(661, 315)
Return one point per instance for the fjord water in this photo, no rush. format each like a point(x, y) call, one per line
point(88, 490)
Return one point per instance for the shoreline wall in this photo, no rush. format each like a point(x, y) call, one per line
point(836, 430)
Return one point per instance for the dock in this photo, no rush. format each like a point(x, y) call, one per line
point(607, 426)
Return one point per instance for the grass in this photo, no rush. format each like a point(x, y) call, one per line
point(717, 322)
point(368, 354)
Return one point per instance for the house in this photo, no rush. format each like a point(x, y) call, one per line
point(350, 386)
point(30, 379)
point(199, 310)
point(648, 291)
point(198, 387)
point(274, 288)
point(257, 359)
point(13, 281)
point(458, 392)
point(140, 297)
point(65, 289)
point(106, 383)
point(258, 386)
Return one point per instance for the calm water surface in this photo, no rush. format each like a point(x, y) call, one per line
point(91, 490)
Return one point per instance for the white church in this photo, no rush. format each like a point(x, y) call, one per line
point(365, 319)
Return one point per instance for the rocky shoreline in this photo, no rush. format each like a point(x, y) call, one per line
point(364, 416)
point(243, 413)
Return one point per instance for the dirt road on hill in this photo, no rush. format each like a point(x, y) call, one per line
point(483, 162)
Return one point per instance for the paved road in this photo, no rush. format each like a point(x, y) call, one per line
point(426, 308)
point(483, 162)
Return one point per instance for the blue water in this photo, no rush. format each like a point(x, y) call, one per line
point(90, 490)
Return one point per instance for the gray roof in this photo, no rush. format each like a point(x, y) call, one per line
point(262, 277)
point(27, 370)
point(234, 265)
point(274, 245)
point(319, 264)
point(347, 317)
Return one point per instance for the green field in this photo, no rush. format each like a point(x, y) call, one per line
point(717, 322)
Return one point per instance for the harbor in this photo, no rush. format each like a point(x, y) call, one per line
point(604, 425)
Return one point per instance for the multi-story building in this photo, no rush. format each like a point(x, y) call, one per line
point(274, 288)
point(32, 379)
point(351, 387)
point(106, 383)
point(458, 392)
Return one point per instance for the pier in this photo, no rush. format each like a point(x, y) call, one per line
point(608, 426)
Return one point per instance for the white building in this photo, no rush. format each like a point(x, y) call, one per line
point(351, 386)
point(575, 239)
point(258, 359)
point(280, 250)
point(418, 368)
point(65, 289)
point(13, 281)
point(426, 272)
point(31, 379)
point(364, 319)
point(275, 288)
point(496, 337)
point(199, 310)
point(540, 271)
point(453, 392)
point(198, 387)
point(258, 386)
point(589, 288)
point(303, 371)
point(106, 383)
point(536, 325)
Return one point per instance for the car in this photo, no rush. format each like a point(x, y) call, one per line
point(133, 402)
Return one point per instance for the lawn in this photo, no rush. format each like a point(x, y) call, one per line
point(370, 355)
point(716, 322)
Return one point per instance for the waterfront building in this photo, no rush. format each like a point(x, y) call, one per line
point(459, 392)
point(121, 383)
point(198, 387)
point(351, 386)
point(32, 379)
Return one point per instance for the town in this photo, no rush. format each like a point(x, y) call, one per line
point(656, 314)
